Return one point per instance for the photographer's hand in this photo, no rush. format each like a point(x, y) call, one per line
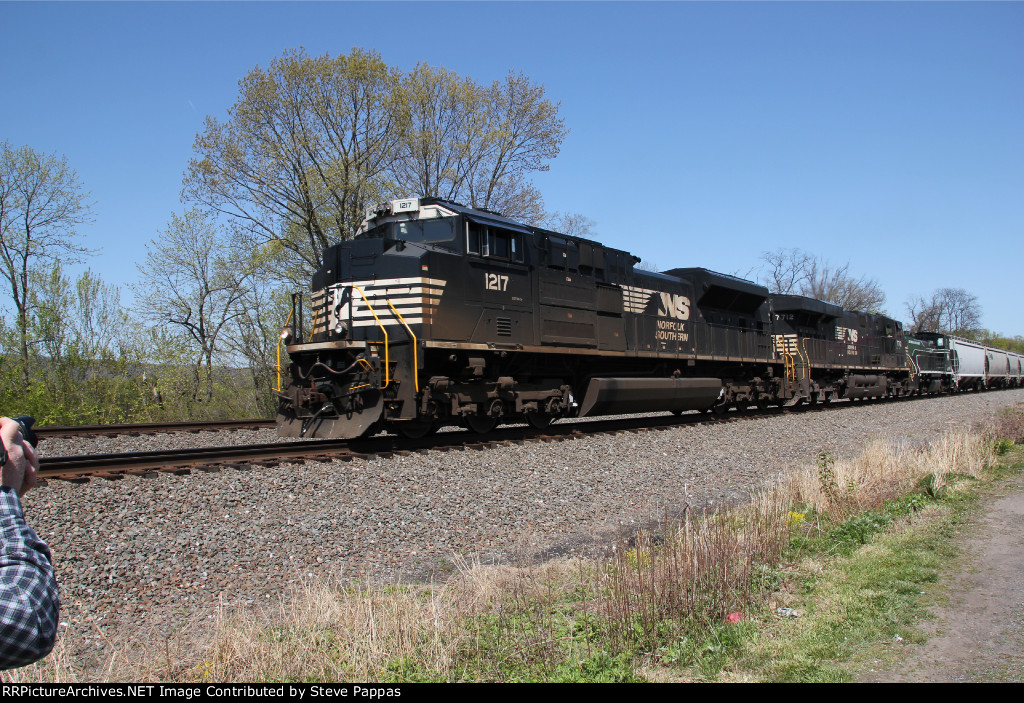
point(19, 471)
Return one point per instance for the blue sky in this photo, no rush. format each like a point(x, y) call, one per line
point(889, 135)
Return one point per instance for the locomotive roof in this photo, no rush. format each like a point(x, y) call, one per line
point(490, 217)
point(478, 214)
point(716, 278)
point(801, 303)
point(721, 290)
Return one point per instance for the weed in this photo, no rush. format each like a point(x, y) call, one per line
point(1002, 446)
point(1008, 426)
point(827, 479)
point(933, 485)
point(859, 528)
point(598, 668)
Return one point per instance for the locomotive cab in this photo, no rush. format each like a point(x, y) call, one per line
point(402, 314)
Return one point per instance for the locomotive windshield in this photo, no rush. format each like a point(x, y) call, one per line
point(432, 230)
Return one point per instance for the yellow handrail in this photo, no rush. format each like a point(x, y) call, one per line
point(415, 361)
point(805, 358)
point(788, 365)
point(316, 317)
point(279, 340)
point(387, 356)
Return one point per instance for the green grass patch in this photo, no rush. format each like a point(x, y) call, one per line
point(863, 587)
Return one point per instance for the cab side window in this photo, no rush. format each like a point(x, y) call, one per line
point(493, 242)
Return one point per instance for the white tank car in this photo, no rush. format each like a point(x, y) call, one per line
point(968, 363)
point(998, 367)
point(1015, 368)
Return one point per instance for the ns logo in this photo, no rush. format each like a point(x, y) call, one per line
point(672, 305)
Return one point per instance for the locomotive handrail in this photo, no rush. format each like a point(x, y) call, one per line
point(912, 363)
point(804, 358)
point(316, 318)
point(280, 340)
point(387, 357)
point(415, 344)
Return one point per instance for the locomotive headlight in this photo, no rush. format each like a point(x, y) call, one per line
point(341, 329)
point(286, 335)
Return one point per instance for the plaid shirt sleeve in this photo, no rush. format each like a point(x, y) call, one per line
point(28, 590)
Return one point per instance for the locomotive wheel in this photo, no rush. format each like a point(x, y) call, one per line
point(414, 429)
point(481, 424)
point(720, 409)
point(539, 421)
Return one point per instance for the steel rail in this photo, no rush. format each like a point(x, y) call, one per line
point(45, 431)
point(177, 460)
point(272, 454)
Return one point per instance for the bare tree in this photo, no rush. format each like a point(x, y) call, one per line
point(189, 284)
point(42, 205)
point(786, 270)
point(571, 223)
point(312, 142)
point(924, 314)
point(835, 284)
point(792, 271)
point(308, 146)
point(949, 310)
point(479, 144)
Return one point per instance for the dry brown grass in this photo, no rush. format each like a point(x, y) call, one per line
point(1008, 424)
point(358, 632)
point(700, 568)
point(883, 471)
point(334, 632)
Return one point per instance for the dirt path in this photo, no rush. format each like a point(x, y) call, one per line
point(978, 635)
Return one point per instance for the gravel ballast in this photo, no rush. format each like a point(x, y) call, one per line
point(140, 560)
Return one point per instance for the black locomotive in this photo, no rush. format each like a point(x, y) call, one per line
point(436, 313)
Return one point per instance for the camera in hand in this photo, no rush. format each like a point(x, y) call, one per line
point(25, 423)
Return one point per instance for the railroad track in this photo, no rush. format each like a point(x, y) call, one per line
point(184, 461)
point(140, 428)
